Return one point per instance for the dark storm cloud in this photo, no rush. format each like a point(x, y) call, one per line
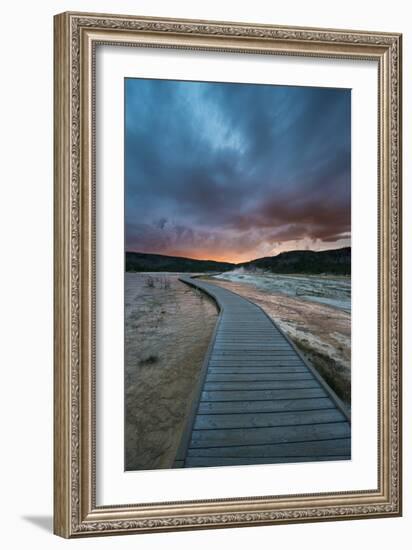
point(235, 170)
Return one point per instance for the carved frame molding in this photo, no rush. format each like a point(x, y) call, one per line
point(76, 37)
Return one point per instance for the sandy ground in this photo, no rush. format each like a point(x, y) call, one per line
point(322, 333)
point(168, 327)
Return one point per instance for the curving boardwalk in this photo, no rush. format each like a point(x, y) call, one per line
point(258, 400)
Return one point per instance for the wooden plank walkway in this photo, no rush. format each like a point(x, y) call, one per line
point(259, 401)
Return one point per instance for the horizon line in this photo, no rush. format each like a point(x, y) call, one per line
point(233, 263)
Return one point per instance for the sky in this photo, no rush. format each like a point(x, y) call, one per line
point(234, 172)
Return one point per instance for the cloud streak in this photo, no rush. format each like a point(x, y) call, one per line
point(235, 171)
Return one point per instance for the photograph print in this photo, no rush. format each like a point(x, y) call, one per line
point(237, 284)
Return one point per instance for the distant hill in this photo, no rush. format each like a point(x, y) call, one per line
point(332, 262)
point(137, 261)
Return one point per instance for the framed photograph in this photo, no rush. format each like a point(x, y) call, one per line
point(227, 274)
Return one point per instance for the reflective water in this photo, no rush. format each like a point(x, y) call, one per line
point(331, 291)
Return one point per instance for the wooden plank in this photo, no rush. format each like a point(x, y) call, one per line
point(280, 405)
point(238, 331)
point(266, 420)
point(276, 354)
point(251, 327)
point(256, 364)
point(257, 377)
point(326, 447)
point(248, 333)
point(279, 367)
point(247, 343)
point(205, 462)
point(254, 357)
point(222, 462)
point(259, 395)
point(263, 385)
point(249, 338)
point(256, 346)
point(255, 361)
point(278, 434)
point(259, 370)
point(225, 335)
point(251, 341)
point(232, 329)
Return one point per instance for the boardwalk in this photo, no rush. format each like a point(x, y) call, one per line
point(259, 402)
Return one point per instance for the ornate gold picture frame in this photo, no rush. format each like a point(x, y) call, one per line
point(76, 511)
